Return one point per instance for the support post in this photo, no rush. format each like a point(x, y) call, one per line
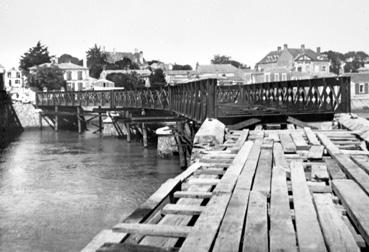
point(56, 119)
point(128, 132)
point(40, 119)
point(181, 151)
point(144, 135)
point(79, 120)
point(100, 120)
point(210, 106)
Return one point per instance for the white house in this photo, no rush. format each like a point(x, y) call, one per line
point(359, 90)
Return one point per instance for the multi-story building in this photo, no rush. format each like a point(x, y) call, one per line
point(13, 78)
point(291, 63)
point(360, 88)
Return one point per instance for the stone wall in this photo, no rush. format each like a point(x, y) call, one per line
point(28, 115)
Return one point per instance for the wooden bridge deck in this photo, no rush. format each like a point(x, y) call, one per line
point(262, 190)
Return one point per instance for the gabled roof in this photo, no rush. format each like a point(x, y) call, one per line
point(71, 66)
point(273, 56)
point(359, 77)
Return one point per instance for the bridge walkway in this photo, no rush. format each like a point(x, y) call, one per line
point(294, 189)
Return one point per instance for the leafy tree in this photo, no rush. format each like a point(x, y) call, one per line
point(128, 81)
point(223, 59)
point(35, 56)
point(157, 78)
point(125, 63)
point(96, 61)
point(336, 59)
point(182, 67)
point(47, 77)
point(66, 58)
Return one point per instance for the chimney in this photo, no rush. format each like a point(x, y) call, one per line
point(285, 46)
point(279, 48)
point(302, 47)
point(318, 50)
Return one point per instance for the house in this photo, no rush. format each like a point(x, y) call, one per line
point(173, 77)
point(226, 74)
point(76, 76)
point(359, 90)
point(14, 82)
point(292, 64)
point(136, 57)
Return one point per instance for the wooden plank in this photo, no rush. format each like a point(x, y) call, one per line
point(316, 152)
point(243, 124)
point(334, 170)
point(299, 141)
point(203, 181)
point(182, 209)
point(246, 177)
point(309, 234)
point(311, 136)
point(230, 231)
point(129, 247)
point(336, 234)
point(356, 203)
point(319, 172)
point(280, 159)
point(358, 238)
point(263, 172)
point(193, 195)
point(299, 123)
point(287, 143)
point(291, 127)
point(153, 229)
point(104, 236)
point(210, 171)
point(349, 167)
point(256, 230)
point(282, 233)
point(362, 161)
point(206, 227)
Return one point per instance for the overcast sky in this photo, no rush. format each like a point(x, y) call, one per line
point(183, 32)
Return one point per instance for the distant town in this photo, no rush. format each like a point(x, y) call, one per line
point(103, 69)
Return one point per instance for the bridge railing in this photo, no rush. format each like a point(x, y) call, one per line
point(290, 97)
point(199, 99)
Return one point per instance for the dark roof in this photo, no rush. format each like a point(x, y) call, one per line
point(359, 77)
point(273, 56)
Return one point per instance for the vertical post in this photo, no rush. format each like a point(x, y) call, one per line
point(128, 132)
point(181, 151)
point(100, 120)
point(79, 119)
point(144, 135)
point(210, 104)
point(56, 118)
point(40, 119)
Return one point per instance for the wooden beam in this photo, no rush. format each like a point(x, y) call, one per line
point(153, 229)
point(182, 209)
point(287, 143)
point(130, 247)
point(299, 123)
point(191, 194)
point(243, 124)
point(311, 136)
point(316, 152)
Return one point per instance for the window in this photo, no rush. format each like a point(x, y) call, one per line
point(10, 83)
point(276, 77)
point(361, 88)
point(79, 75)
point(9, 75)
point(17, 81)
point(323, 68)
point(299, 69)
point(284, 76)
point(18, 74)
point(69, 75)
point(267, 77)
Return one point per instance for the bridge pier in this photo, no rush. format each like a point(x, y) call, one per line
point(56, 127)
point(100, 120)
point(40, 119)
point(79, 120)
point(144, 135)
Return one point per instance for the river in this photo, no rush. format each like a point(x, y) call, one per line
point(58, 190)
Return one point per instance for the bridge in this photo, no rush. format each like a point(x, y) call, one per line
point(200, 99)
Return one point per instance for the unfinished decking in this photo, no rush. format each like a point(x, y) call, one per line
point(297, 189)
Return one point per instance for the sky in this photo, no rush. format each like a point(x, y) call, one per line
point(182, 32)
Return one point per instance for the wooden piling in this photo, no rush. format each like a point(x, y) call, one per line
point(128, 132)
point(144, 135)
point(79, 120)
point(56, 128)
point(40, 119)
point(181, 151)
point(100, 120)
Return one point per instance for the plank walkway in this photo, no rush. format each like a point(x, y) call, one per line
point(296, 189)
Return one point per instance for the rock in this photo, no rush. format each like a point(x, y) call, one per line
point(211, 132)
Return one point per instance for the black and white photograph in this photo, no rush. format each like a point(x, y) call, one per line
point(184, 126)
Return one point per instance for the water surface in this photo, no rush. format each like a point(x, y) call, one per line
point(57, 190)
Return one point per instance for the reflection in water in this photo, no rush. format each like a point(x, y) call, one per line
point(57, 190)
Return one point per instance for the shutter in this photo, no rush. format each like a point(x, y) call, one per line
point(356, 88)
point(366, 88)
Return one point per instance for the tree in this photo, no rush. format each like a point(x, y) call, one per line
point(128, 81)
point(223, 59)
point(65, 58)
point(35, 56)
point(47, 77)
point(157, 78)
point(125, 63)
point(182, 67)
point(335, 58)
point(96, 60)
